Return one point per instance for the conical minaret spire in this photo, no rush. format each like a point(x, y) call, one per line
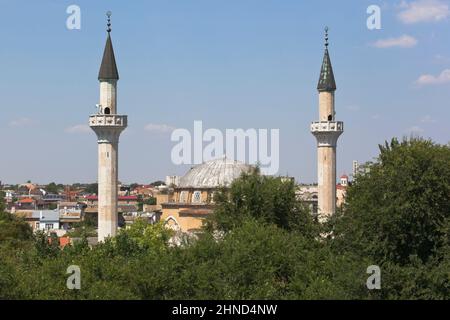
point(326, 80)
point(108, 68)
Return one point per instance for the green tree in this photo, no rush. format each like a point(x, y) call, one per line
point(398, 215)
point(134, 186)
point(92, 188)
point(158, 183)
point(52, 188)
point(401, 207)
point(46, 246)
point(2, 201)
point(13, 230)
point(150, 201)
point(148, 236)
point(267, 199)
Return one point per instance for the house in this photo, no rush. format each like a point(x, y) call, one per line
point(122, 201)
point(48, 219)
point(309, 195)
point(145, 191)
point(150, 217)
point(125, 205)
point(70, 213)
point(28, 217)
point(44, 220)
point(25, 204)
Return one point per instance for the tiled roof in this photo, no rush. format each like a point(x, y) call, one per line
point(26, 200)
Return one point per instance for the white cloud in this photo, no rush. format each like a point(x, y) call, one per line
point(79, 128)
point(22, 122)
point(423, 11)
point(159, 128)
point(403, 41)
point(427, 119)
point(428, 79)
point(441, 59)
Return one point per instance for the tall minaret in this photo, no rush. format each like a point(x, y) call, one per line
point(327, 131)
point(108, 126)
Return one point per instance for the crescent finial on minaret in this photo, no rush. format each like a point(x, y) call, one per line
point(108, 14)
point(326, 37)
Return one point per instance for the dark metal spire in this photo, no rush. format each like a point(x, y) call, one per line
point(108, 68)
point(326, 80)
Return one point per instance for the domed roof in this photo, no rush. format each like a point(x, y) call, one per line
point(213, 174)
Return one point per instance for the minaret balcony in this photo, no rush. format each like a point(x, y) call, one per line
point(327, 132)
point(108, 120)
point(327, 126)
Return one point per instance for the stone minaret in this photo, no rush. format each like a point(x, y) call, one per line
point(327, 131)
point(108, 126)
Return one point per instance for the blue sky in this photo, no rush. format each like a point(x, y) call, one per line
point(232, 64)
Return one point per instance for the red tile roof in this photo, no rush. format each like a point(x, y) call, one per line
point(63, 241)
point(26, 200)
point(128, 198)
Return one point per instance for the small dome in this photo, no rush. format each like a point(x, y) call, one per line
point(213, 174)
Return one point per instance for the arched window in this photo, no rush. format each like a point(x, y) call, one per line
point(197, 197)
point(183, 196)
point(107, 110)
point(172, 223)
point(210, 198)
point(330, 117)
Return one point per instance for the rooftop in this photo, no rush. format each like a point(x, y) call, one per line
point(213, 174)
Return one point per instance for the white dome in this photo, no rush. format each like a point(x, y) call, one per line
point(213, 174)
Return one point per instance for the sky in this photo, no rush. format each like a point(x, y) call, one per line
point(231, 64)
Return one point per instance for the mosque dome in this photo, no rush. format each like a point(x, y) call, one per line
point(213, 174)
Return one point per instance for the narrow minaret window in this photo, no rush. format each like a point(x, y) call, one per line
point(108, 130)
point(327, 131)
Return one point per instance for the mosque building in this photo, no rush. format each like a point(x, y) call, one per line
point(193, 198)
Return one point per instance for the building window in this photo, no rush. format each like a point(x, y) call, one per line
point(49, 226)
point(197, 197)
point(183, 196)
point(107, 110)
point(211, 196)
